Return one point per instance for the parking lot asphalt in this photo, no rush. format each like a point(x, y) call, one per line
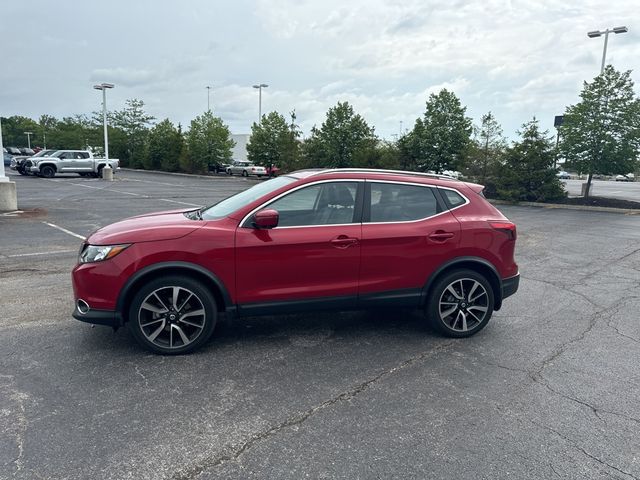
point(548, 390)
point(606, 188)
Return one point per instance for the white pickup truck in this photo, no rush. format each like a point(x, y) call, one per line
point(69, 161)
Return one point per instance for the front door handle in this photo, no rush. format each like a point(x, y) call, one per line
point(343, 241)
point(441, 236)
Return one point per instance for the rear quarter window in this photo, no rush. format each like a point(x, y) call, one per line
point(453, 198)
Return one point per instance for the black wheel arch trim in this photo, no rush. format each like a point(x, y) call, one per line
point(497, 294)
point(124, 292)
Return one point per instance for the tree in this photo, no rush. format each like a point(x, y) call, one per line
point(208, 142)
point(274, 142)
point(13, 129)
point(486, 150)
point(601, 133)
point(343, 136)
point(528, 172)
point(165, 146)
point(134, 123)
point(438, 140)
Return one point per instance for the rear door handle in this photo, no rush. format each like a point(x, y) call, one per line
point(441, 236)
point(342, 241)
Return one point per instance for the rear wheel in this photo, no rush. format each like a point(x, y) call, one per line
point(460, 304)
point(172, 315)
point(48, 171)
point(99, 175)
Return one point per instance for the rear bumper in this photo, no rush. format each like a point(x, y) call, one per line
point(99, 317)
point(510, 286)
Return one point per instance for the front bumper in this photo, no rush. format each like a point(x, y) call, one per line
point(99, 317)
point(510, 286)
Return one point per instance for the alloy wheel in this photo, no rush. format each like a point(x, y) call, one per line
point(172, 317)
point(463, 305)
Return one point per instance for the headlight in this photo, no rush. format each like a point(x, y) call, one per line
point(99, 253)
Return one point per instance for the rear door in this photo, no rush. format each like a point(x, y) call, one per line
point(406, 234)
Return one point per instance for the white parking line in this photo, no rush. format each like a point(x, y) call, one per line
point(179, 203)
point(40, 253)
point(69, 232)
point(108, 189)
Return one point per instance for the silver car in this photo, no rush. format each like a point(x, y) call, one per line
point(245, 169)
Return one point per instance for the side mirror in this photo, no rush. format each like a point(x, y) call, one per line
point(265, 219)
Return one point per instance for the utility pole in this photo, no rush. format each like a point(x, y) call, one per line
point(28, 134)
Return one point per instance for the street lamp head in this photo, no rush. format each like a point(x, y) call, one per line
point(264, 85)
point(594, 34)
point(620, 30)
point(104, 86)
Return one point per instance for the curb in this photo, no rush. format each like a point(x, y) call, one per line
point(625, 211)
point(193, 175)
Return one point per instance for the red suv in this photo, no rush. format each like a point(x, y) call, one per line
point(309, 240)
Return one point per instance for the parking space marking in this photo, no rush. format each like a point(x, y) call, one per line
point(69, 232)
point(179, 203)
point(108, 189)
point(40, 253)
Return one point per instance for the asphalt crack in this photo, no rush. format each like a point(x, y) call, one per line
point(299, 418)
point(583, 450)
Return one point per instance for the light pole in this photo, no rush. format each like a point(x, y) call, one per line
point(208, 92)
point(104, 86)
point(260, 87)
point(28, 134)
point(598, 33)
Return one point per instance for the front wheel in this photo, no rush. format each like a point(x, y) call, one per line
point(48, 171)
point(244, 173)
point(172, 315)
point(460, 304)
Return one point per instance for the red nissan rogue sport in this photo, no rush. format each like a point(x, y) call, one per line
point(309, 240)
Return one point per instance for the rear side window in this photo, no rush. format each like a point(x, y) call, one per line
point(393, 202)
point(453, 198)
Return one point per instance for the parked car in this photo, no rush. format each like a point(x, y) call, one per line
point(69, 161)
point(217, 167)
point(6, 158)
point(273, 171)
point(313, 239)
point(27, 152)
point(629, 177)
point(18, 162)
point(13, 150)
point(245, 169)
point(563, 175)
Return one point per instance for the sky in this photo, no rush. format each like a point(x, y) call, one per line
point(515, 58)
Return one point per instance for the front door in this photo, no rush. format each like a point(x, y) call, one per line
point(311, 258)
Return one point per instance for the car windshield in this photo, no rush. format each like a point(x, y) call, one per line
point(44, 153)
point(233, 203)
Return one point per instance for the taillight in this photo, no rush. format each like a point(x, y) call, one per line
point(507, 227)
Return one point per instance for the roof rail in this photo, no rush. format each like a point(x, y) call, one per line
point(391, 172)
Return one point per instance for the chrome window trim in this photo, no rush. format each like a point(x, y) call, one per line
point(299, 187)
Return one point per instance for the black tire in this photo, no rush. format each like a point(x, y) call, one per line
point(22, 171)
point(460, 303)
point(48, 171)
point(99, 174)
point(244, 173)
point(229, 172)
point(144, 323)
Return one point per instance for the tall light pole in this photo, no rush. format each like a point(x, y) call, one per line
point(208, 92)
point(598, 33)
point(260, 87)
point(104, 87)
point(28, 134)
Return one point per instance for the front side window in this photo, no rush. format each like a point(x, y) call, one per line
point(393, 202)
point(331, 203)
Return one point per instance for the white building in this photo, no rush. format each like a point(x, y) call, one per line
point(239, 151)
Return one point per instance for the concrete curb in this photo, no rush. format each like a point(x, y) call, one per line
point(177, 174)
point(625, 211)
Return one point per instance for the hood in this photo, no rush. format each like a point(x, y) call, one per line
point(166, 225)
